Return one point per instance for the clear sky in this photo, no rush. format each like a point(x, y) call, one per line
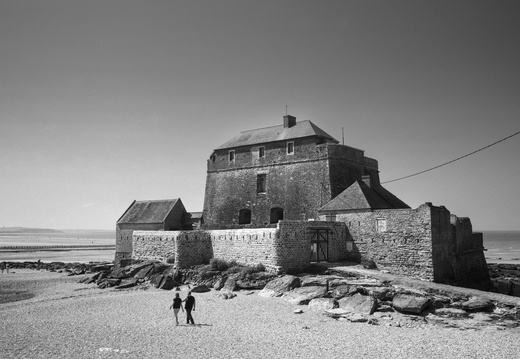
point(107, 101)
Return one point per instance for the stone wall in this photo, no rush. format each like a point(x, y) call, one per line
point(286, 247)
point(398, 240)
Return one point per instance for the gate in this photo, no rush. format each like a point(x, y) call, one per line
point(319, 243)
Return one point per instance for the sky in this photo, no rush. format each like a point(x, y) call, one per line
point(103, 102)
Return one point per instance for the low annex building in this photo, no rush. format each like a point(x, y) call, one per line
point(290, 194)
point(161, 215)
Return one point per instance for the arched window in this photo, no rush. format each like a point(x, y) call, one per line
point(244, 216)
point(276, 215)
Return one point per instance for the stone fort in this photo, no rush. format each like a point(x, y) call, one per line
point(289, 195)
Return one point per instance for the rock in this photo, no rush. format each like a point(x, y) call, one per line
point(368, 282)
point(167, 283)
point(336, 282)
point(343, 291)
point(127, 283)
point(356, 318)
point(200, 289)
point(279, 286)
point(304, 295)
point(219, 284)
point(230, 284)
point(451, 312)
point(311, 280)
point(227, 295)
point(144, 272)
point(381, 293)
point(156, 280)
point(476, 304)
point(337, 312)
point(322, 304)
point(410, 304)
point(297, 311)
point(358, 304)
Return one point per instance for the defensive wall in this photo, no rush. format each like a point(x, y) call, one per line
point(427, 242)
point(287, 247)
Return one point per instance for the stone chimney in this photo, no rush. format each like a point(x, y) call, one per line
point(366, 179)
point(289, 121)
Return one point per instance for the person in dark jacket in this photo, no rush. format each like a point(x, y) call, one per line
point(189, 306)
point(176, 306)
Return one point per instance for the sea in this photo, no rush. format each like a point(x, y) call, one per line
point(501, 246)
point(62, 238)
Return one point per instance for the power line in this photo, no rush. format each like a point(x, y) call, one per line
point(456, 159)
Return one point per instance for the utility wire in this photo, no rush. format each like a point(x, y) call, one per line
point(456, 159)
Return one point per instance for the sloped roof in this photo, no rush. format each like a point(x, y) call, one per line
point(276, 133)
point(359, 196)
point(148, 211)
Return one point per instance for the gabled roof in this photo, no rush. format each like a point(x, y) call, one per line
point(148, 211)
point(276, 133)
point(359, 196)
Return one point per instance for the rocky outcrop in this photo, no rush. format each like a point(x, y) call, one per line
point(303, 295)
point(277, 287)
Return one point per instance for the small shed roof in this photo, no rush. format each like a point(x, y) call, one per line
point(359, 196)
point(148, 211)
point(276, 133)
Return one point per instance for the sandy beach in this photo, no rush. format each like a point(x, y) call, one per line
point(66, 319)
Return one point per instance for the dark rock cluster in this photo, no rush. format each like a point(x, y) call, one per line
point(505, 278)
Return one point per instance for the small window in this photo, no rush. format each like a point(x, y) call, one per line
point(244, 216)
point(381, 225)
point(213, 158)
point(330, 217)
point(276, 215)
point(290, 148)
point(261, 183)
point(232, 156)
point(261, 151)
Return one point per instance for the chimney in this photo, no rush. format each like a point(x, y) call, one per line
point(366, 179)
point(289, 121)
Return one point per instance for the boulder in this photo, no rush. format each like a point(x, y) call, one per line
point(381, 293)
point(303, 295)
point(279, 286)
point(156, 280)
point(322, 304)
point(167, 283)
point(219, 284)
point(230, 285)
point(311, 280)
point(336, 312)
point(200, 289)
point(254, 281)
point(358, 304)
point(144, 272)
point(127, 283)
point(336, 282)
point(343, 291)
point(410, 304)
point(476, 304)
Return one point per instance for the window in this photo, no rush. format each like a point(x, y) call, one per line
point(330, 217)
point(244, 217)
point(261, 183)
point(276, 215)
point(290, 148)
point(213, 158)
point(232, 156)
point(381, 225)
point(261, 152)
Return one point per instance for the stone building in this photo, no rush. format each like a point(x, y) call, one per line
point(287, 195)
point(427, 242)
point(161, 215)
point(281, 172)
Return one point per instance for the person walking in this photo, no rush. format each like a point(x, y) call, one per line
point(189, 306)
point(176, 306)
